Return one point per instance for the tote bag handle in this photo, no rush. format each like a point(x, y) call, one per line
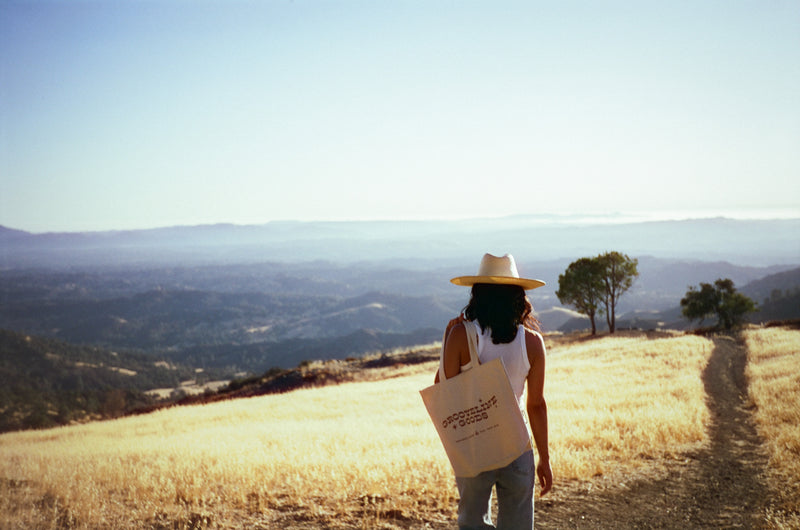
point(472, 342)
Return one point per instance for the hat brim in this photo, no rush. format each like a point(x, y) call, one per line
point(525, 283)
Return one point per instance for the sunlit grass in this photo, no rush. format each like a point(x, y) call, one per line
point(315, 449)
point(773, 372)
point(624, 401)
point(354, 454)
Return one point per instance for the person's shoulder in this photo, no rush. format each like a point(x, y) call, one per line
point(534, 342)
point(532, 334)
point(458, 332)
point(460, 327)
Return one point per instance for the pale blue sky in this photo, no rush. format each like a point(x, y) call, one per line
point(138, 114)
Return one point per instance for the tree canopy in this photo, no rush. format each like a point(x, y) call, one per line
point(582, 287)
point(589, 282)
point(721, 300)
point(619, 272)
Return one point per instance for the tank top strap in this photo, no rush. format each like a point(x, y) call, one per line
point(473, 336)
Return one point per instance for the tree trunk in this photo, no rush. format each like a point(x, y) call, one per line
point(610, 315)
point(612, 324)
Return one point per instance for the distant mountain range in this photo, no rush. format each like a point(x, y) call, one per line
point(410, 244)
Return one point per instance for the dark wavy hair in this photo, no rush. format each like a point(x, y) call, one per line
point(501, 308)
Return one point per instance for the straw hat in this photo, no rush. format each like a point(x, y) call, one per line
point(496, 270)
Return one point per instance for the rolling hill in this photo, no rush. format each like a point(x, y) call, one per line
point(48, 382)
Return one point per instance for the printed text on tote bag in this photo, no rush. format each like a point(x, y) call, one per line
point(471, 415)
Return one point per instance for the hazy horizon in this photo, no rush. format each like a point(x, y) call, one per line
point(530, 219)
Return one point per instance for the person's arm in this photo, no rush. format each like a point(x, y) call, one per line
point(537, 408)
point(456, 348)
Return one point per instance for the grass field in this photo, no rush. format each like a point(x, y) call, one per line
point(773, 372)
point(358, 454)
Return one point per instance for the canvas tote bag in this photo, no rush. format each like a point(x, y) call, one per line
point(476, 414)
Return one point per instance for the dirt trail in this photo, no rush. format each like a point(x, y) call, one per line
point(719, 487)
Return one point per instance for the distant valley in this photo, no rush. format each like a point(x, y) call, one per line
point(223, 301)
point(254, 317)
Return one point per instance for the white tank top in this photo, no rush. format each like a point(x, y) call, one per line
point(514, 355)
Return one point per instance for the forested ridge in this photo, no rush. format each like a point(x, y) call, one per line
point(48, 382)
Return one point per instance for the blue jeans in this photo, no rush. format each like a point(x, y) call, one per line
point(514, 483)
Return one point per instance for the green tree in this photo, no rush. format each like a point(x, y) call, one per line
point(700, 303)
point(582, 287)
point(721, 300)
point(618, 272)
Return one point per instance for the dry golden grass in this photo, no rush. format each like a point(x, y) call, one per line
point(773, 372)
point(313, 451)
point(357, 454)
point(619, 402)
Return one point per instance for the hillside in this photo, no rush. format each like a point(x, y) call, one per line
point(47, 382)
point(315, 374)
point(777, 296)
point(640, 444)
point(341, 456)
point(257, 357)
